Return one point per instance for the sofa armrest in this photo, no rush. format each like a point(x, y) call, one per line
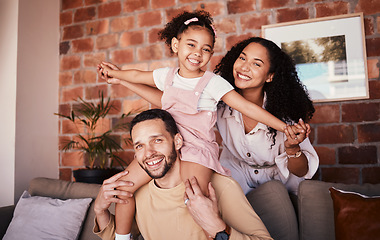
point(6, 215)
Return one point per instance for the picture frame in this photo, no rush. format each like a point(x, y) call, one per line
point(329, 53)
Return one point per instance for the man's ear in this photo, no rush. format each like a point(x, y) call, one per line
point(270, 77)
point(178, 141)
point(174, 45)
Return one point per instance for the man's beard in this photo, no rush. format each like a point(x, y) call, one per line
point(168, 163)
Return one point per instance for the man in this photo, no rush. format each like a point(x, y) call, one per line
point(166, 208)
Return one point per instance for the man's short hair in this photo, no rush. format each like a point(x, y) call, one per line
point(152, 114)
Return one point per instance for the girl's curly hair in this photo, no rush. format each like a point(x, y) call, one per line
point(286, 97)
point(177, 25)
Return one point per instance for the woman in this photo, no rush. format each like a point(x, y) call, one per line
point(263, 74)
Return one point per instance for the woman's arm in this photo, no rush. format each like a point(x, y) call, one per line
point(251, 110)
point(130, 75)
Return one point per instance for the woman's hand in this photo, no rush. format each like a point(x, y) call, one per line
point(296, 133)
point(103, 71)
point(204, 210)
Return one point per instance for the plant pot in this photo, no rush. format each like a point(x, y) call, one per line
point(94, 175)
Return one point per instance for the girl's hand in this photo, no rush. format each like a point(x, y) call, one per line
point(296, 133)
point(204, 210)
point(103, 71)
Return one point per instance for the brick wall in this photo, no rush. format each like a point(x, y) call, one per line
point(345, 134)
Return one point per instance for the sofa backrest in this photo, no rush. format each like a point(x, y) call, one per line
point(55, 188)
point(315, 207)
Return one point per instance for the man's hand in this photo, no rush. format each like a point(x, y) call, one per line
point(107, 195)
point(204, 210)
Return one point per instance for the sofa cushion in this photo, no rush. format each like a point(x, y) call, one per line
point(272, 203)
point(356, 216)
point(47, 218)
point(315, 207)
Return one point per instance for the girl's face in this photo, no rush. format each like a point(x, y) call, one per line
point(251, 68)
point(194, 49)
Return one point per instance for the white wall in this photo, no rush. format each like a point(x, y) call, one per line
point(30, 94)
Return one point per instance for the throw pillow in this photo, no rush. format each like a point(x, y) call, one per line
point(356, 216)
point(47, 218)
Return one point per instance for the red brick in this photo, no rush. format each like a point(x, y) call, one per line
point(335, 134)
point(97, 27)
point(357, 155)
point(341, 175)
point(374, 89)
point(68, 127)
point(153, 52)
point(122, 24)
point(360, 112)
point(173, 12)
point(70, 62)
point(331, 9)
point(64, 109)
point(106, 41)
point(148, 19)
point(373, 66)
point(274, 4)
point(92, 2)
point(116, 107)
point(65, 78)
point(84, 76)
point(109, 9)
point(74, 159)
point(369, 26)
point(85, 14)
point(131, 38)
point(127, 157)
point(122, 56)
point(378, 23)
point(92, 92)
point(369, 132)
point(372, 46)
point(135, 5)
point(64, 48)
point(368, 7)
point(214, 8)
point(72, 32)
point(135, 106)
point(326, 113)
point(70, 94)
point(254, 21)
point(232, 40)
point(225, 25)
point(153, 35)
point(162, 3)
point(161, 64)
point(371, 175)
point(65, 18)
point(292, 14)
point(307, 1)
point(83, 45)
point(326, 155)
point(93, 59)
point(240, 6)
point(215, 59)
point(119, 91)
point(66, 4)
point(65, 174)
point(188, 1)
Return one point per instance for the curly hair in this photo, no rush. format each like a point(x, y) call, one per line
point(177, 25)
point(286, 97)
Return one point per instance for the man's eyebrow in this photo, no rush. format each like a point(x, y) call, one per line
point(151, 137)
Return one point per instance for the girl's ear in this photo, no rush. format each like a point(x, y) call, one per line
point(175, 43)
point(270, 77)
point(178, 141)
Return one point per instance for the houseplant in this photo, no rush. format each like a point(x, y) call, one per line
point(99, 147)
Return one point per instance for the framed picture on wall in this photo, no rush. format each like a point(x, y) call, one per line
point(329, 53)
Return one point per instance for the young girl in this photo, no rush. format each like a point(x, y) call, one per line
point(191, 96)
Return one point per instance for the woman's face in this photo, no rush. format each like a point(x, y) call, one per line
point(251, 68)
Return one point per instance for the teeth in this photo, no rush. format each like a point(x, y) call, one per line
point(194, 61)
point(153, 162)
point(243, 76)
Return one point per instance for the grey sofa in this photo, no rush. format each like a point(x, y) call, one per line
point(309, 217)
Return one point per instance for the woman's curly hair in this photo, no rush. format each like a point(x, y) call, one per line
point(177, 25)
point(286, 97)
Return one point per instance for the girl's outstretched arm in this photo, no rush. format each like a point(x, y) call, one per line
point(129, 75)
point(251, 110)
point(150, 94)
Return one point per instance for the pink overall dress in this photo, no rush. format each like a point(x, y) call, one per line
point(196, 127)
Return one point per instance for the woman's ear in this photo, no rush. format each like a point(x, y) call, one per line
point(178, 141)
point(270, 77)
point(174, 45)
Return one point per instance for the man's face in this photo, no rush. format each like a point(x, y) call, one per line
point(155, 149)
